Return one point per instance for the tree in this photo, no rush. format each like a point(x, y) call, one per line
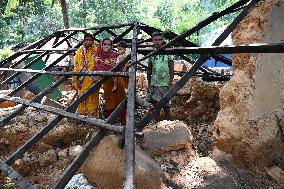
point(27, 20)
point(64, 10)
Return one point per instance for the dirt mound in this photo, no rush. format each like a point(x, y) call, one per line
point(43, 164)
point(197, 100)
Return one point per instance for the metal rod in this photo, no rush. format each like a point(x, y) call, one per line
point(81, 158)
point(71, 108)
point(129, 163)
point(57, 111)
point(87, 73)
point(14, 176)
point(150, 115)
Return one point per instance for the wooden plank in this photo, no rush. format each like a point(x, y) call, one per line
point(33, 45)
point(185, 43)
point(129, 163)
point(111, 32)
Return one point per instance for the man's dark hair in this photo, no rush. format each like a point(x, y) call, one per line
point(122, 44)
point(88, 35)
point(157, 33)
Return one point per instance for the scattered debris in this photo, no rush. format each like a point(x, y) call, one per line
point(79, 182)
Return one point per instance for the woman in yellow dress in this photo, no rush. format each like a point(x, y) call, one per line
point(85, 61)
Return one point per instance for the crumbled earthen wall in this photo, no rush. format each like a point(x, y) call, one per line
point(197, 100)
point(257, 143)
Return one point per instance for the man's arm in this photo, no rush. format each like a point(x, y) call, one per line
point(149, 72)
point(171, 67)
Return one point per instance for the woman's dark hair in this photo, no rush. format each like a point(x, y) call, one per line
point(88, 35)
point(122, 44)
point(107, 39)
point(157, 33)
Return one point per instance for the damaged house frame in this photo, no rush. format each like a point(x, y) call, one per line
point(177, 45)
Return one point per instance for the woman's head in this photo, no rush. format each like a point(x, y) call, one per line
point(107, 45)
point(88, 40)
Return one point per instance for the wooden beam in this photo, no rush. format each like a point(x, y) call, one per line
point(14, 176)
point(120, 36)
point(230, 49)
point(129, 162)
point(84, 73)
point(33, 62)
point(57, 111)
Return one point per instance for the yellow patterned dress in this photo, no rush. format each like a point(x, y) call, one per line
point(85, 61)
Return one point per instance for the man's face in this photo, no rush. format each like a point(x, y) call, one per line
point(158, 41)
point(88, 42)
point(106, 45)
point(121, 50)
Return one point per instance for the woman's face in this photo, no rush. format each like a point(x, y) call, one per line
point(107, 45)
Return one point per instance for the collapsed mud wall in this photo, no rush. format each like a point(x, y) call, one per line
point(251, 132)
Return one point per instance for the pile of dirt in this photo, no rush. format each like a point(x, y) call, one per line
point(46, 160)
point(197, 100)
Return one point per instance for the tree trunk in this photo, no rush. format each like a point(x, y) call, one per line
point(85, 13)
point(65, 13)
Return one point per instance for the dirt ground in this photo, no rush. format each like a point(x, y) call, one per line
point(42, 165)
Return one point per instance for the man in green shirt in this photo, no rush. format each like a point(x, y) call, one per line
point(160, 75)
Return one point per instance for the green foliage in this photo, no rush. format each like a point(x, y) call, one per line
point(5, 53)
point(24, 21)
